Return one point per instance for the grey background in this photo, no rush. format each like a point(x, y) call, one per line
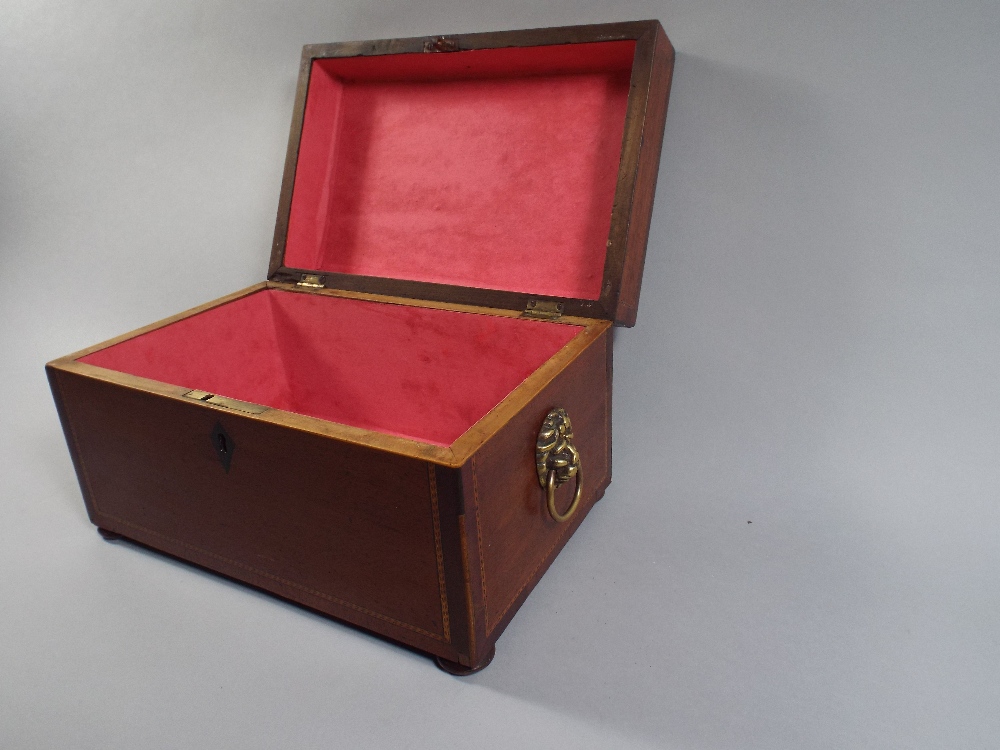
point(817, 352)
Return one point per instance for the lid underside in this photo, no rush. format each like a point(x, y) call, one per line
point(483, 169)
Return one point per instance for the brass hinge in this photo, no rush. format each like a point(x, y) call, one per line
point(228, 403)
point(312, 280)
point(543, 310)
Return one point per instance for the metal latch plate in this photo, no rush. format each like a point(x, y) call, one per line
point(228, 403)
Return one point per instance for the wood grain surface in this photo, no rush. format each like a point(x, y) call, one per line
point(350, 531)
point(511, 536)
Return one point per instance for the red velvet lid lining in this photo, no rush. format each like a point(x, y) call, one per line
point(490, 168)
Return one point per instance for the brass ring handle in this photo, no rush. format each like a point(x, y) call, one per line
point(551, 492)
point(557, 461)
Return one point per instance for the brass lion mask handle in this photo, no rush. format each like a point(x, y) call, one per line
point(558, 461)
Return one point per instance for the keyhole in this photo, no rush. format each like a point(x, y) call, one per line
point(224, 446)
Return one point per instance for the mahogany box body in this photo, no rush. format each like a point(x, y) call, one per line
point(403, 425)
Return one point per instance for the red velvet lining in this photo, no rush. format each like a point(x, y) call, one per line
point(493, 168)
point(415, 372)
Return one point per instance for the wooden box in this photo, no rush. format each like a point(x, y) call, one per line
point(379, 431)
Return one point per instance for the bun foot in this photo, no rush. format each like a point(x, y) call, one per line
point(109, 535)
point(460, 670)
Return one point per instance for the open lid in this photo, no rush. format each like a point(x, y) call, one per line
point(503, 169)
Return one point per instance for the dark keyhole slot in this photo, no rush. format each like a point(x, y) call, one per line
point(224, 446)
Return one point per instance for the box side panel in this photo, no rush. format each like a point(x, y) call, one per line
point(55, 377)
point(350, 531)
point(512, 535)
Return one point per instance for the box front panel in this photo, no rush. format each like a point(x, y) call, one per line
point(347, 530)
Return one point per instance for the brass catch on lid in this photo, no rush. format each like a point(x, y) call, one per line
point(441, 44)
point(557, 461)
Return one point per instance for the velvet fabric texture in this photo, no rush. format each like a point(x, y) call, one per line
point(414, 372)
point(491, 168)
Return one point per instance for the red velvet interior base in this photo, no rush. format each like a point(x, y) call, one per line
point(493, 168)
point(415, 372)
